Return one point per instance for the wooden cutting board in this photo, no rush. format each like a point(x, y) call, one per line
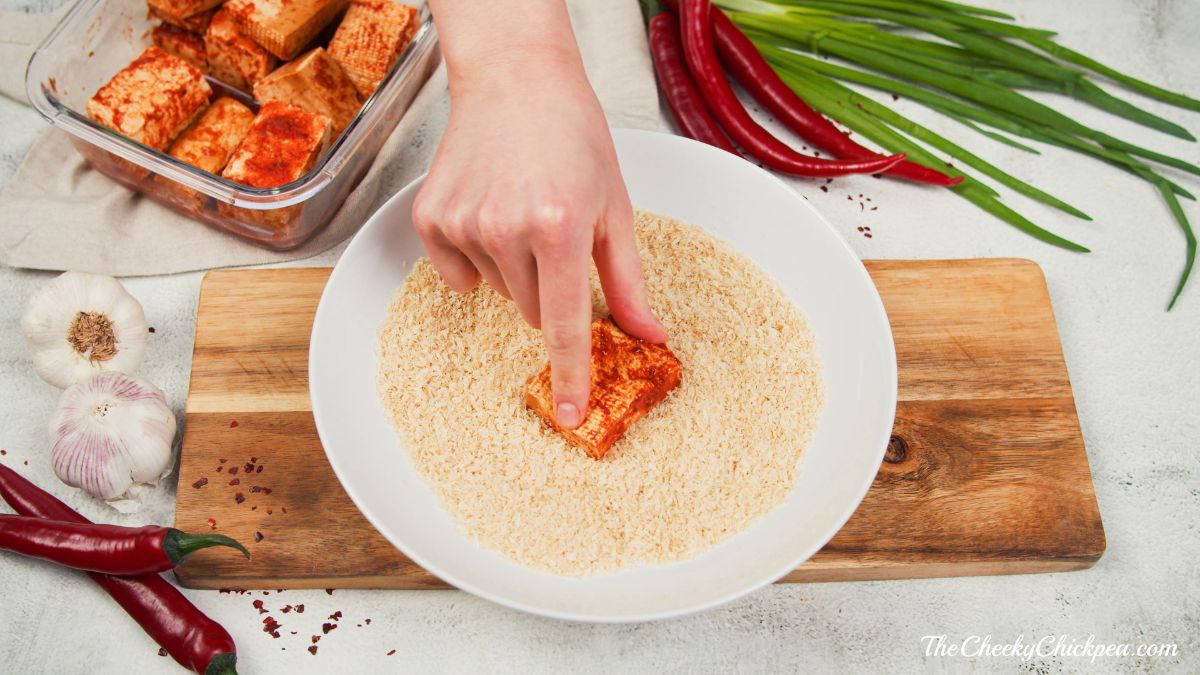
point(986, 472)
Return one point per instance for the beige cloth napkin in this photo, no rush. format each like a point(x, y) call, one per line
point(58, 214)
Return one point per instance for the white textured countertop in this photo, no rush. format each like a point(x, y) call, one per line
point(1135, 371)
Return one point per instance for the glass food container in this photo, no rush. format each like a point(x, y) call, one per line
point(97, 38)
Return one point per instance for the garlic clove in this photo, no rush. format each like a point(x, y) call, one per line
point(79, 324)
point(111, 435)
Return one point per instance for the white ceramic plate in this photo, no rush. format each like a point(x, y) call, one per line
point(764, 219)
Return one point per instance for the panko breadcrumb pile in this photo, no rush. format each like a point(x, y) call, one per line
point(718, 453)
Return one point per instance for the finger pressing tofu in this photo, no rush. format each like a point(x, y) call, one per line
point(316, 83)
point(284, 27)
point(629, 378)
point(152, 99)
point(370, 39)
point(234, 58)
point(184, 44)
point(196, 23)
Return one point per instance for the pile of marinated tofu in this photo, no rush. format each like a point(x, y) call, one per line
point(303, 69)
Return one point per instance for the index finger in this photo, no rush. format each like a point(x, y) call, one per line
point(566, 307)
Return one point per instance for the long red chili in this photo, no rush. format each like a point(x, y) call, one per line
point(687, 106)
point(109, 549)
point(191, 638)
point(701, 55)
point(748, 67)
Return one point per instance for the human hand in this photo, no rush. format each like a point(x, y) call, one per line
point(523, 191)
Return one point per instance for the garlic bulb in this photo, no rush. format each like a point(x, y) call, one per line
point(110, 436)
point(81, 324)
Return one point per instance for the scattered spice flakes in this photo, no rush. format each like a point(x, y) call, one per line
point(236, 481)
point(254, 508)
point(254, 460)
point(259, 469)
point(269, 511)
point(233, 472)
point(312, 650)
point(367, 621)
point(258, 604)
point(326, 627)
point(316, 639)
point(220, 468)
point(248, 468)
point(392, 653)
point(239, 498)
point(329, 591)
point(222, 461)
point(271, 627)
point(233, 424)
point(162, 651)
point(212, 523)
point(200, 483)
point(286, 609)
point(255, 488)
point(283, 508)
point(258, 536)
point(824, 188)
point(299, 609)
point(151, 329)
point(336, 615)
point(895, 97)
point(26, 462)
point(3, 452)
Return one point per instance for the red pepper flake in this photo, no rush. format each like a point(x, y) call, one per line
point(233, 472)
point(258, 604)
point(312, 650)
point(824, 188)
point(222, 461)
point(200, 483)
point(254, 508)
point(255, 488)
point(223, 591)
point(26, 462)
point(329, 591)
point(286, 609)
point(219, 468)
point(316, 639)
point(162, 651)
point(326, 627)
point(212, 523)
point(336, 615)
point(391, 652)
point(299, 609)
point(258, 537)
point(367, 621)
point(271, 626)
point(269, 511)
point(236, 481)
point(239, 498)
point(259, 469)
point(283, 508)
point(233, 424)
point(3, 452)
point(249, 468)
point(254, 460)
point(151, 327)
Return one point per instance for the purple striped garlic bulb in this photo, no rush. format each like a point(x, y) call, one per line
point(112, 436)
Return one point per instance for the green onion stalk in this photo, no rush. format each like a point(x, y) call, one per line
point(974, 66)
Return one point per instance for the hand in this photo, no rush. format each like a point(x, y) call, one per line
point(523, 191)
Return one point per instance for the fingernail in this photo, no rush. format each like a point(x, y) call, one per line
point(567, 415)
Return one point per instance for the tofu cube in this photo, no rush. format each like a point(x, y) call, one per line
point(152, 99)
point(184, 44)
point(629, 378)
point(316, 83)
point(234, 58)
point(281, 145)
point(370, 39)
point(284, 27)
point(207, 145)
point(196, 23)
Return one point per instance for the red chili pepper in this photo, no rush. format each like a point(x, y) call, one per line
point(687, 106)
point(701, 55)
point(194, 640)
point(748, 67)
point(109, 549)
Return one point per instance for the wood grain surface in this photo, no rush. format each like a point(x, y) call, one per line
point(986, 472)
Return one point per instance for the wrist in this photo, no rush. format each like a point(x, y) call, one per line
point(495, 69)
